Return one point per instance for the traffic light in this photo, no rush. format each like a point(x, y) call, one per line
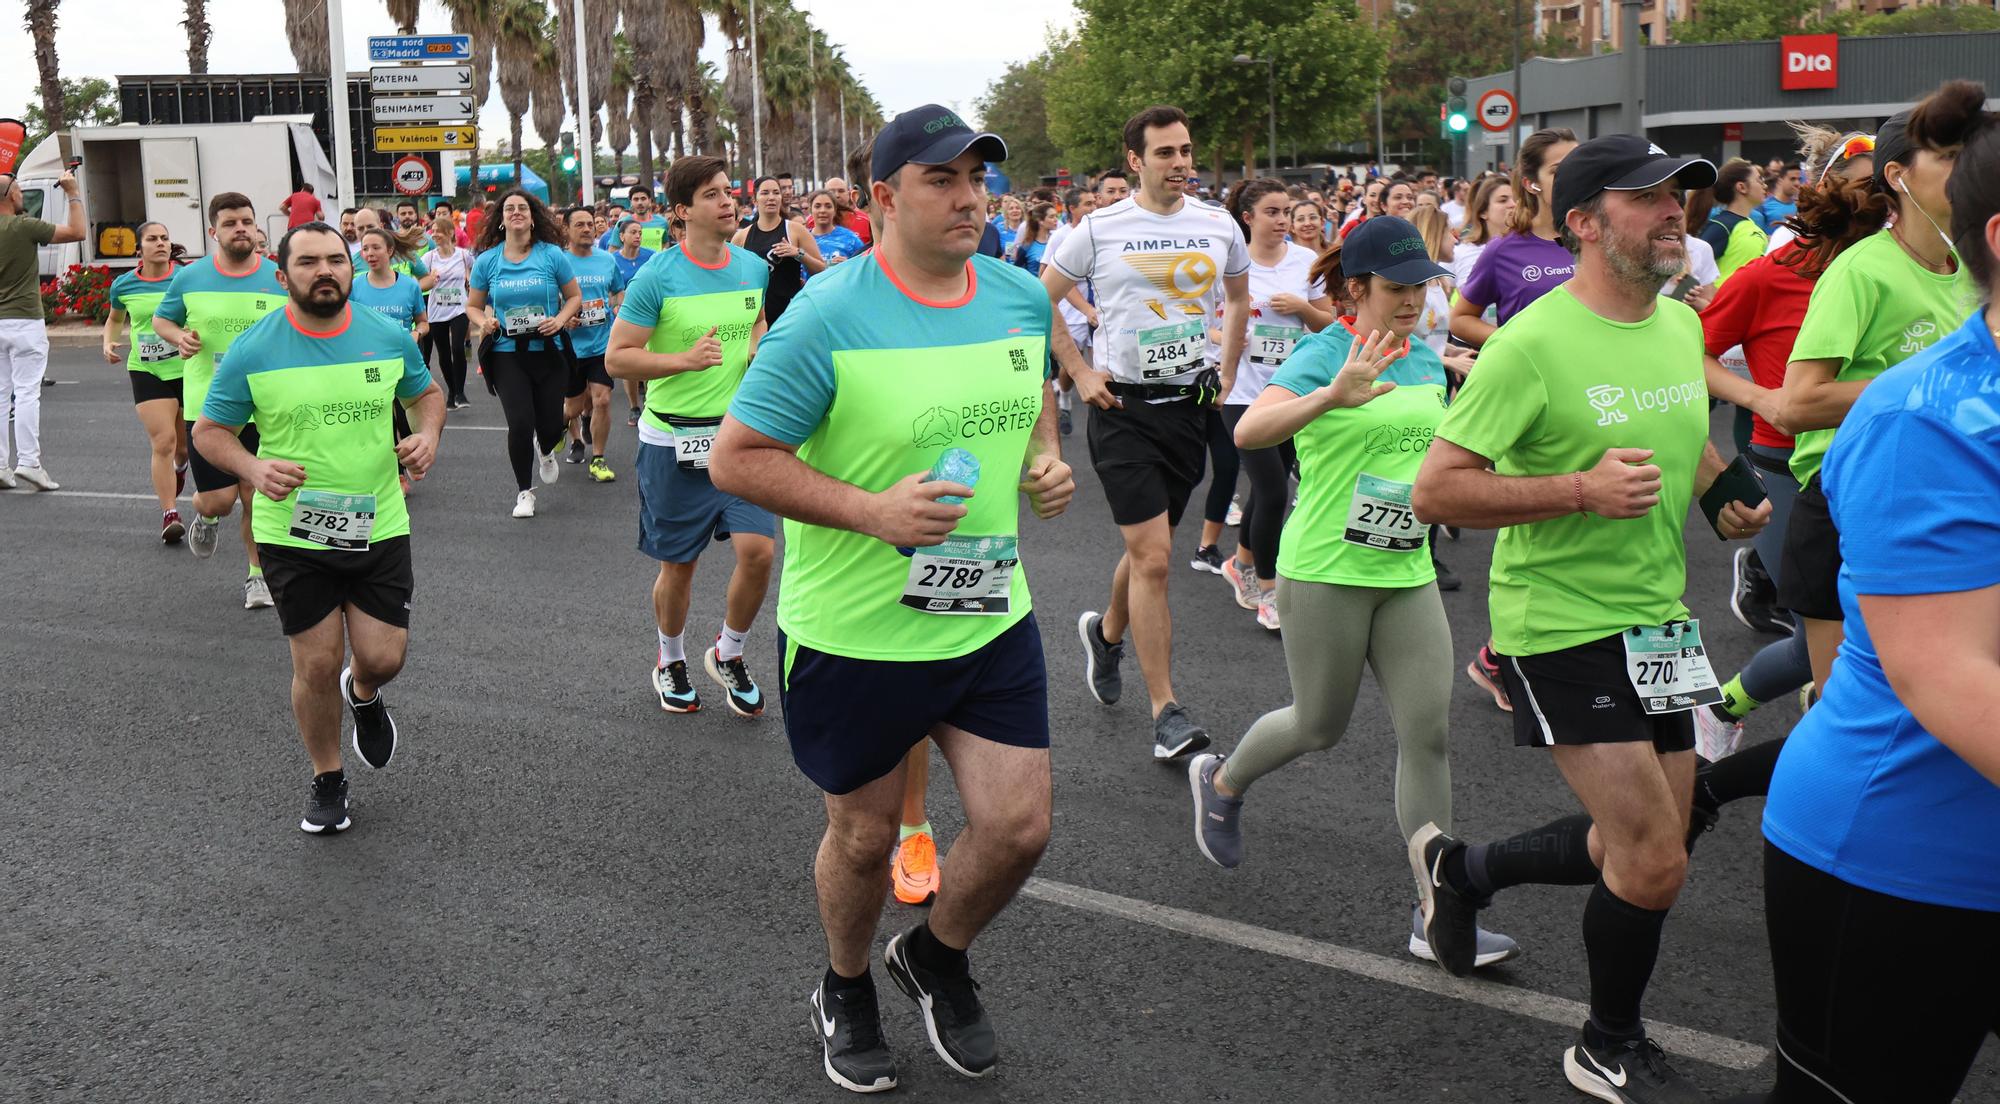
point(1457, 120)
point(568, 145)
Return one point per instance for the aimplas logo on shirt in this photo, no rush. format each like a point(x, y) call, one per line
point(942, 425)
point(1180, 273)
point(1609, 401)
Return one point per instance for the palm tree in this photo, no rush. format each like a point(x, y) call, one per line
point(618, 105)
point(404, 14)
point(516, 47)
point(549, 103)
point(647, 32)
point(41, 22)
point(474, 18)
point(199, 33)
point(305, 30)
point(704, 96)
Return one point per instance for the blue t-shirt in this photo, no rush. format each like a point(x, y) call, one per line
point(629, 267)
point(523, 289)
point(838, 244)
point(598, 278)
point(1030, 257)
point(653, 235)
point(401, 301)
point(1772, 213)
point(1862, 792)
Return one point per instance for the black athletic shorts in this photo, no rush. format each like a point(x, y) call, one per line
point(208, 477)
point(1809, 585)
point(1582, 695)
point(593, 371)
point(147, 387)
point(307, 584)
point(850, 721)
point(1149, 457)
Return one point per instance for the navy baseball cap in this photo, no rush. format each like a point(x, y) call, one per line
point(1622, 163)
point(929, 135)
point(1391, 248)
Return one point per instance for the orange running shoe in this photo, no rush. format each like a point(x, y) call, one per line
point(916, 870)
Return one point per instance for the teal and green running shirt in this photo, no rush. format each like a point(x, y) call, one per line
point(324, 403)
point(401, 302)
point(680, 299)
point(1357, 467)
point(218, 307)
point(138, 297)
point(874, 384)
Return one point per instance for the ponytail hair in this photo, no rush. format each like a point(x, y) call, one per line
point(1527, 166)
point(1832, 217)
point(1244, 197)
point(1956, 116)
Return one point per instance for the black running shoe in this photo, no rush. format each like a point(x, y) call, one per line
point(326, 805)
point(1207, 558)
point(1175, 733)
point(956, 1021)
point(849, 1026)
point(1450, 918)
point(374, 728)
point(577, 452)
point(1634, 1071)
point(733, 675)
point(1100, 660)
point(1753, 597)
point(1064, 422)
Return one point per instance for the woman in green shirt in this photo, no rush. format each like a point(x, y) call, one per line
point(1887, 298)
point(1356, 590)
point(154, 366)
point(1731, 232)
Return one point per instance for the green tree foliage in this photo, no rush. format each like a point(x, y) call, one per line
point(1129, 54)
point(1015, 107)
point(91, 101)
point(1751, 20)
point(1440, 39)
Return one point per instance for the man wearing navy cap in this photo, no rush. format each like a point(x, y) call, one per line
point(893, 417)
point(1583, 437)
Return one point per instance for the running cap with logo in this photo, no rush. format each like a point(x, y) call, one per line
point(1622, 163)
point(1391, 248)
point(929, 135)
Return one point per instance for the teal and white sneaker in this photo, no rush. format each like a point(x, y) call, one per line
point(1490, 947)
point(745, 699)
point(676, 690)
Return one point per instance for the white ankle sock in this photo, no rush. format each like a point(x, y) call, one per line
point(670, 649)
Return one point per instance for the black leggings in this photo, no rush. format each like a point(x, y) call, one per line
point(1857, 1020)
point(530, 386)
point(445, 342)
point(1270, 472)
point(1222, 454)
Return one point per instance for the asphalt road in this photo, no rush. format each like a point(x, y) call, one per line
point(557, 892)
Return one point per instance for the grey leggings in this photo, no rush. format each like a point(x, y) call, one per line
point(1331, 631)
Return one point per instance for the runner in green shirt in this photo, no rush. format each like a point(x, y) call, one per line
point(207, 305)
point(1355, 587)
point(894, 417)
point(322, 377)
point(154, 366)
point(1583, 436)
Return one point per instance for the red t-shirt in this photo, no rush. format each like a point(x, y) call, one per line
point(304, 207)
point(1760, 307)
point(858, 222)
point(474, 219)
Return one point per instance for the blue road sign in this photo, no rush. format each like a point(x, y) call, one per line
point(455, 47)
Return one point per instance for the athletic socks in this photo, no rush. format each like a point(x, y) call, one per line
point(671, 650)
point(837, 984)
point(256, 571)
point(1622, 942)
point(909, 830)
point(1554, 854)
point(934, 956)
point(1735, 702)
point(729, 645)
point(1744, 774)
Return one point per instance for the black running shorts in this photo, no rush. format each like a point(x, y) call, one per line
point(307, 584)
point(147, 387)
point(1582, 695)
point(208, 477)
point(1149, 457)
point(1809, 585)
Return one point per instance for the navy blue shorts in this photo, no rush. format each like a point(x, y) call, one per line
point(850, 721)
point(680, 511)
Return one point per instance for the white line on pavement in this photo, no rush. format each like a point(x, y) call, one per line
point(1687, 1042)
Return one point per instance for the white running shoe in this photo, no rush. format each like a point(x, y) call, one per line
point(7, 479)
point(1267, 611)
point(524, 504)
point(549, 468)
point(256, 593)
point(37, 477)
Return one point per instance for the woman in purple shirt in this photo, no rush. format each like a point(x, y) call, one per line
point(1521, 266)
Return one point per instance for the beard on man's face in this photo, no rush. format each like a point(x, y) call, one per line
point(323, 297)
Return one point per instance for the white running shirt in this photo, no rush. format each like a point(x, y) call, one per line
point(1158, 280)
point(1271, 336)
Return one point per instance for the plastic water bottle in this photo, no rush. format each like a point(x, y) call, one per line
point(955, 466)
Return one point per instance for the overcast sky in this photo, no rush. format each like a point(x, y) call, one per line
point(904, 61)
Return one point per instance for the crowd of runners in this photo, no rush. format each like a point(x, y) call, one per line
point(1357, 371)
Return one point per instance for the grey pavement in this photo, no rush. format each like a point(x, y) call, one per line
point(559, 893)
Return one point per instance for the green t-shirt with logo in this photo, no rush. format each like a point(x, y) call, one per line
point(325, 403)
point(1353, 525)
point(1555, 387)
point(680, 299)
point(874, 384)
point(219, 308)
point(1873, 309)
point(139, 297)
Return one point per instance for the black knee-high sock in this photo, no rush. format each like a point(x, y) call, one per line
point(1554, 854)
point(1744, 774)
point(1622, 941)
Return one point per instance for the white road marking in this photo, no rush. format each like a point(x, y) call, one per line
point(1411, 974)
